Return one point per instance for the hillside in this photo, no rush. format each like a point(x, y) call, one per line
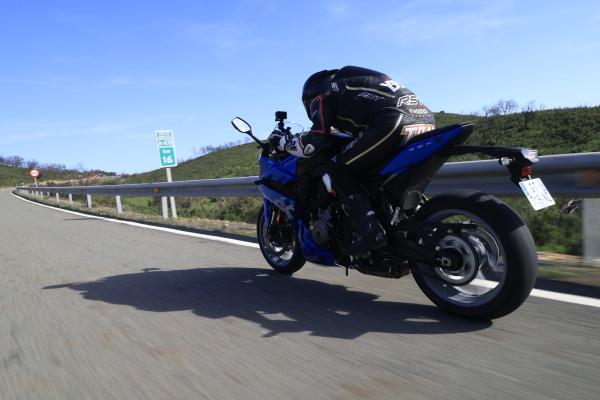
point(234, 161)
point(568, 130)
point(14, 176)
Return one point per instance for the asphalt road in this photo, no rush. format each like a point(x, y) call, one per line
point(97, 310)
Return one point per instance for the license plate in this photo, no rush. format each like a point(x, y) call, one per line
point(536, 193)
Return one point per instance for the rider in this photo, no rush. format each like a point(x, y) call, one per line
point(380, 114)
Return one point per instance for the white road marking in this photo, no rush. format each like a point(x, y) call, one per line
point(546, 294)
point(156, 228)
point(566, 298)
point(543, 294)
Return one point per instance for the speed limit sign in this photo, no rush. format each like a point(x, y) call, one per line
point(34, 173)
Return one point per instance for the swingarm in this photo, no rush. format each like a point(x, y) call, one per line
point(416, 240)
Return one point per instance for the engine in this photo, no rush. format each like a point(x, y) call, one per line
point(321, 226)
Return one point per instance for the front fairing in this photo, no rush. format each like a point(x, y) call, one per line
point(281, 170)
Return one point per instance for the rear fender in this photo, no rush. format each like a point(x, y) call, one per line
point(424, 146)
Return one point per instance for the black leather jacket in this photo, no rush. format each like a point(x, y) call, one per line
point(350, 104)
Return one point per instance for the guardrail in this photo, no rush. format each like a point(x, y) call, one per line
point(574, 175)
point(567, 175)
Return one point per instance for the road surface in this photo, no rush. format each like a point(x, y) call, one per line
point(98, 310)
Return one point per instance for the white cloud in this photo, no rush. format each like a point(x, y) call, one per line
point(337, 9)
point(225, 36)
point(26, 133)
point(413, 22)
point(139, 81)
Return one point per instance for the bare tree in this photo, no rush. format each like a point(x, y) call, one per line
point(527, 112)
point(204, 150)
point(502, 107)
point(80, 167)
point(15, 161)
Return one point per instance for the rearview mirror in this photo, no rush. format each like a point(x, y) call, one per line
point(241, 125)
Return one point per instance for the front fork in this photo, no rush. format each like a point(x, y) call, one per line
point(267, 212)
point(272, 217)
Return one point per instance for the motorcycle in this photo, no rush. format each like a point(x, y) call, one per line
point(469, 252)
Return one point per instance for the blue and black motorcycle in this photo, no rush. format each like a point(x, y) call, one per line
point(468, 251)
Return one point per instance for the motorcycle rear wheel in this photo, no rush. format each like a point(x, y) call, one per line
point(283, 255)
point(499, 257)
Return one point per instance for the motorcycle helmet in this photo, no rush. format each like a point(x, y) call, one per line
point(316, 84)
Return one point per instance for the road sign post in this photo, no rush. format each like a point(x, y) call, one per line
point(34, 173)
point(165, 143)
point(173, 207)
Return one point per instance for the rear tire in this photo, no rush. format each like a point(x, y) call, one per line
point(285, 259)
point(516, 260)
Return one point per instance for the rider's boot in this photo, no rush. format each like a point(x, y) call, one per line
point(364, 232)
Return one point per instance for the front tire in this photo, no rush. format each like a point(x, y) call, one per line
point(283, 253)
point(501, 250)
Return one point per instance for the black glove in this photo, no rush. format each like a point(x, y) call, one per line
point(275, 140)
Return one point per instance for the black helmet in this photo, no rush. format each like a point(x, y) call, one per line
point(316, 84)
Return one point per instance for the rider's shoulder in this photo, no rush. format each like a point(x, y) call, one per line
point(351, 71)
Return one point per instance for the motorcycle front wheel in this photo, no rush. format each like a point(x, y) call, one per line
point(278, 242)
point(499, 259)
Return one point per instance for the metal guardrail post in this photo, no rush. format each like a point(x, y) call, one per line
point(57, 198)
point(173, 207)
point(165, 207)
point(70, 199)
point(89, 201)
point(119, 205)
point(591, 231)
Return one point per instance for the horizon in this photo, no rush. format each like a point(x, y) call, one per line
point(90, 83)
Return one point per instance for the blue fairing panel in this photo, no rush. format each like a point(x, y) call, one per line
point(283, 172)
point(280, 171)
point(282, 202)
point(418, 152)
point(311, 251)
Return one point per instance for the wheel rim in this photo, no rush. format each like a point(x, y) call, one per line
point(484, 270)
point(470, 258)
point(278, 254)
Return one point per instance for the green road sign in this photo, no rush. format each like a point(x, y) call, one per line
point(165, 143)
point(167, 157)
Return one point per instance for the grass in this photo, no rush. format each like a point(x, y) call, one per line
point(106, 206)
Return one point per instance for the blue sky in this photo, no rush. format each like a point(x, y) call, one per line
point(90, 82)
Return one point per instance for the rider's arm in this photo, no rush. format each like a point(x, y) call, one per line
point(307, 145)
point(300, 146)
